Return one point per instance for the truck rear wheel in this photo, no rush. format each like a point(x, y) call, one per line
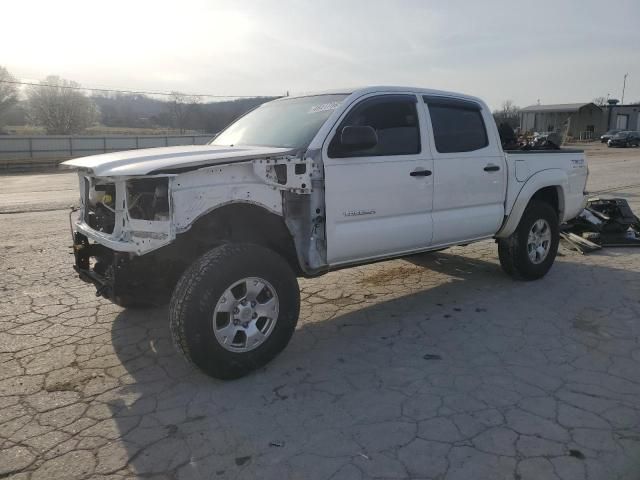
point(234, 309)
point(529, 252)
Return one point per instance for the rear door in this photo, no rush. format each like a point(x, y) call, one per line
point(469, 170)
point(379, 200)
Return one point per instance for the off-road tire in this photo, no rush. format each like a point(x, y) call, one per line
point(512, 251)
point(198, 291)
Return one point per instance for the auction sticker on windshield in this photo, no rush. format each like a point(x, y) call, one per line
point(324, 107)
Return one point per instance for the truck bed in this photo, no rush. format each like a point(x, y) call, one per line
point(523, 165)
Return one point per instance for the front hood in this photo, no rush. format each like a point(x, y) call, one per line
point(169, 159)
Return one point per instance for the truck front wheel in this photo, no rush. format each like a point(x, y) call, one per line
point(529, 252)
point(234, 309)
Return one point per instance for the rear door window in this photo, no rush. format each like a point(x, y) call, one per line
point(457, 124)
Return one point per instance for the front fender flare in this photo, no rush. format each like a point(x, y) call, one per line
point(553, 177)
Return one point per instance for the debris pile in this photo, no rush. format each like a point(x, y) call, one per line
point(603, 223)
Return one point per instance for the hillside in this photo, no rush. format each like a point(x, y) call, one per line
point(120, 112)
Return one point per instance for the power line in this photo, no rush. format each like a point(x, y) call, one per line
point(134, 92)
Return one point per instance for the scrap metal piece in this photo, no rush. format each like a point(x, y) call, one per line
point(630, 238)
point(603, 223)
point(579, 243)
point(615, 212)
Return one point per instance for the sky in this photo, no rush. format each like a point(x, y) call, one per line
point(549, 51)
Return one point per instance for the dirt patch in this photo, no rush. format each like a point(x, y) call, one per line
point(384, 276)
point(74, 382)
point(588, 321)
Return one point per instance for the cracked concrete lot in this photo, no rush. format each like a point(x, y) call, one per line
point(438, 366)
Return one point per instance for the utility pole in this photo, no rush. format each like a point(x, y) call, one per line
point(624, 85)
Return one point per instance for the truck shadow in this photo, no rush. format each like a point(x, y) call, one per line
point(442, 335)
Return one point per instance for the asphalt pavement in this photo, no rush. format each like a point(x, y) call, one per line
point(436, 366)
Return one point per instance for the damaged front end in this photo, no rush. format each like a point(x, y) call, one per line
point(135, 235)
point(122, 222)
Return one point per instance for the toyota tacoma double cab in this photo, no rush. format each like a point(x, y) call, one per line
point(301, 186)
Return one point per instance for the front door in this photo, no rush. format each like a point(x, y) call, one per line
point(379, 199)
point(469, 171)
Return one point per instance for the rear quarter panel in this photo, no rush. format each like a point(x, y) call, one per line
point(532, 171)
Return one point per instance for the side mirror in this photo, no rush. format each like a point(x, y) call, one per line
point(358, 137)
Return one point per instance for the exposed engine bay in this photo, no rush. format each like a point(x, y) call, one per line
point(146, 199)
point(100, 213)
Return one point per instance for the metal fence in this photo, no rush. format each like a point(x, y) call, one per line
point(584, 136)
point(21, 147)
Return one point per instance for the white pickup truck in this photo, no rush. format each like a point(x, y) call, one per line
point(301, 186)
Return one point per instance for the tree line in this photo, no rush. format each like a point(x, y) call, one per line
point(62, 107)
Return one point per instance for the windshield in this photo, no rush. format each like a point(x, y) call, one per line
point(622, 134)
point(290, 123)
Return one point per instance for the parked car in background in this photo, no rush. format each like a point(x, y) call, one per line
point(625, 139)
point(607, 136)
